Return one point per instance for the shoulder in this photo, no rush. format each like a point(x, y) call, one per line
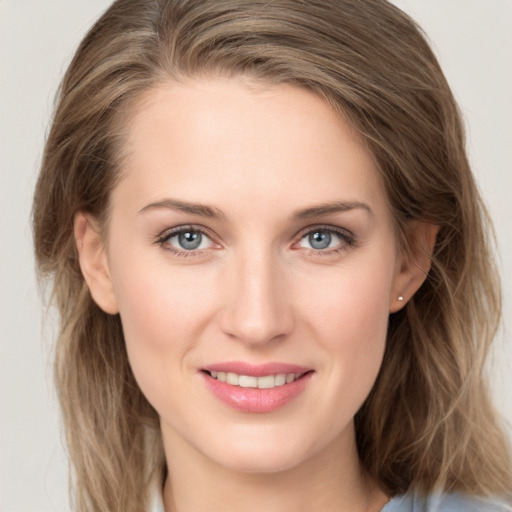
point(446, 503)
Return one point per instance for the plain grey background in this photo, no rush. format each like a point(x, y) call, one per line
point(473, 39)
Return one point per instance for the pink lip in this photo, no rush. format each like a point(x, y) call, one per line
point(252, 399)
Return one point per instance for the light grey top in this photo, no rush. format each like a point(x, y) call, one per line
point(445, 503)
point(156, 499)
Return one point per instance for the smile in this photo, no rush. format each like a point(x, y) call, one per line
point(256, 388)
point(250, 381)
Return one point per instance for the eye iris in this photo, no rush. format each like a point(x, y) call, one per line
point(320, 239)
point(190, 240)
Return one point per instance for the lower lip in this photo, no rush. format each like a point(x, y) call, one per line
point(254, 399)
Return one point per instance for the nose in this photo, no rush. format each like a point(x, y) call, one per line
point(257, 307)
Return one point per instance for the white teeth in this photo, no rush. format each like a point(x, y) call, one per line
point(232, 378)
point(266, 382)
point(280, 379)
point(247, 381)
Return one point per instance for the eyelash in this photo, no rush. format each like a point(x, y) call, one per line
point(164, 238)
point(348, 240)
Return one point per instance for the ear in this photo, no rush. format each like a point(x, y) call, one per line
point(94, 263)
point(414, 264)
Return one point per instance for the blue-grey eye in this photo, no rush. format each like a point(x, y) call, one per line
point(320, 239)
point(189, 240)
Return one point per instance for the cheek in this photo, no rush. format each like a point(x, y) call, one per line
point(351, 320)
point(352, 301)
point(157, 303)
point(162, 314)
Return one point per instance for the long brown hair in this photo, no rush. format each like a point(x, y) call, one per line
point(428, 423)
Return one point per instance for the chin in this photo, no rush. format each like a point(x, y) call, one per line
point(250, 462)
point(261, 454)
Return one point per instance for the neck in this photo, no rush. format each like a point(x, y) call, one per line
point(331, 480)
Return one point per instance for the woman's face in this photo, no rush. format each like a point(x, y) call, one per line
point(250, 236)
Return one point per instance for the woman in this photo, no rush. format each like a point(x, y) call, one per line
point(271, 264)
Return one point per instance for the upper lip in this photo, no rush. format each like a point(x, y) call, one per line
point(255, 370)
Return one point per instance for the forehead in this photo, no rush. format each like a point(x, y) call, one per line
point(240, 141)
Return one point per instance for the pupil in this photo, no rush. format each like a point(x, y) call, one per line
point(320, 239)
point(190, 240)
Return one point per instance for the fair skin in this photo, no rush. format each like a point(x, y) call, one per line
point(251, 226)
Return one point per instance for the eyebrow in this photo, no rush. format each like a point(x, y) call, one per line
point(330, 208)
point(201, 210)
